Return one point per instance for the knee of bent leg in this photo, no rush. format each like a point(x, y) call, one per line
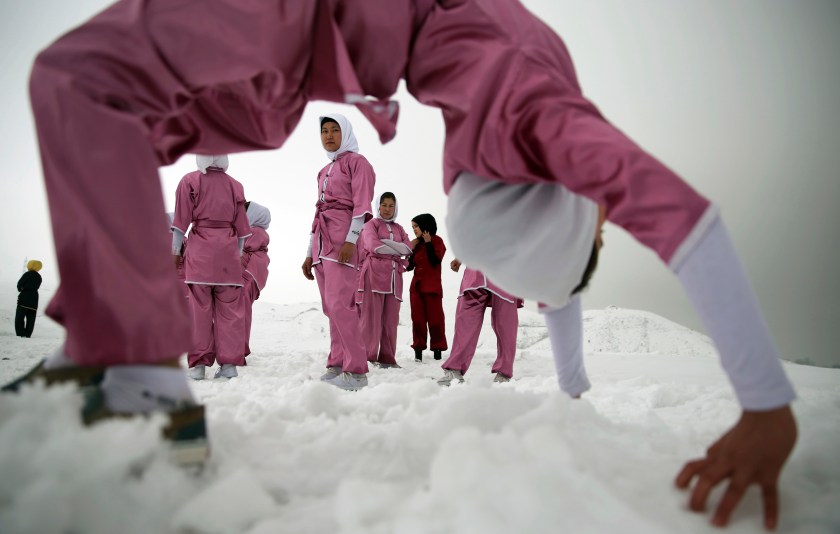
point(533, 240)
point(64, 73)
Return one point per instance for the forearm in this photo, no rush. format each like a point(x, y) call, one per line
point(356, 225)
point(177, 241)
point(717, 285)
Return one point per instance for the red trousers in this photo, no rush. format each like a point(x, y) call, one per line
point(427, 316)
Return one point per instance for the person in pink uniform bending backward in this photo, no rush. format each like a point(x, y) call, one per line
point(345, 193)
point(382, 245)
point(214, 204)
point(527, 161)
point(478, 294)
point(254, 265)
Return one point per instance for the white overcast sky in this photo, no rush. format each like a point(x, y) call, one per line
point(740, 98)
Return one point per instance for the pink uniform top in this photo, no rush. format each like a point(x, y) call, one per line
point(214, 203)
point(505, 83)
point(255, 256)
point(474, 280)
point(381, 273)
point(345, 191)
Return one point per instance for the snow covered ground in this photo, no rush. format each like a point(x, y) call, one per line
point(292, 455)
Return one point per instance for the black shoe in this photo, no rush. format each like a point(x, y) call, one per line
point(437, 354)
point(82, 376)
point(418, 355)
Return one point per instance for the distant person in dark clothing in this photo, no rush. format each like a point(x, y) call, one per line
point(27, 304)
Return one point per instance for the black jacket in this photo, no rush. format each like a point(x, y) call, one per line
point(28, 286)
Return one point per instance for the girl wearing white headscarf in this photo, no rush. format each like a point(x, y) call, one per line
point(345, 193)
point(214, 204)
point(254, 265)
point(380, 281)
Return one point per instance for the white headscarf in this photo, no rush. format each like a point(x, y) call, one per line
point(396, 209)
point(258, 215)
point(532, 240)
point(348, 139)
point(205, 162)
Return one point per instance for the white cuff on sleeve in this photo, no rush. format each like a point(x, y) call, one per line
point(309, 248)
point(355, 229)
point(177, 241)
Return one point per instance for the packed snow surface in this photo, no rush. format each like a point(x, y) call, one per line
point(404, 455)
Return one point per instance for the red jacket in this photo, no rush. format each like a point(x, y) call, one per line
point(426, 275)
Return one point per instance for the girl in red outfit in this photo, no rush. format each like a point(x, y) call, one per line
point(426, 291)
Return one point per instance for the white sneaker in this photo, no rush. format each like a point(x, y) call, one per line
point(331, 373)
point(197, 372)
point(449, 375)
point(500, 378)
point(226, 370)
point(349, 381)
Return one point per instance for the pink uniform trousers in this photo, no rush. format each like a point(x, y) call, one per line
point(468, 319)
point(217, 325)
point(427, 309)
point(245, 307)
point(118, 300)
point(338, 284)
point(380, 314)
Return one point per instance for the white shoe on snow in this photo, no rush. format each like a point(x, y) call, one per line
point(349, 381)
point(500, 378)
point(197, 372)
point(226, 370)
point(331, 373)
point(449, 375)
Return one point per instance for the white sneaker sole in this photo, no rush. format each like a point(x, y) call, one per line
point(190, 452)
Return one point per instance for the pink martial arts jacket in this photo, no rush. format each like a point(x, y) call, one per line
point(475, 280)
point(381, 273)
point(345, 191)
point(214, 203)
